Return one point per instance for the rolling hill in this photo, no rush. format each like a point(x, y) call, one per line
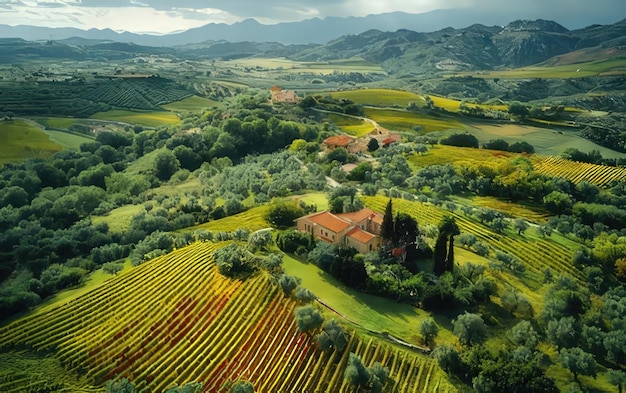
point(206, 328)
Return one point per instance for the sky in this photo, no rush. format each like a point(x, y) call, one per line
point(167, 16)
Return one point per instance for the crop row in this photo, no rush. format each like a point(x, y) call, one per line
point(600, 175)
point(175, 319)
point(536, 253)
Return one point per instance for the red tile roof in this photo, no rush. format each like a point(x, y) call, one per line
point(360, 235)
point(362, 215)
point(328, 220)
point(338, 140)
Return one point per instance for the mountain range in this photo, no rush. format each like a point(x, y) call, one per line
point(400, 51)
point(316, 30)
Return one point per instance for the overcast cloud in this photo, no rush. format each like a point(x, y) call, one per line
point(164, 16)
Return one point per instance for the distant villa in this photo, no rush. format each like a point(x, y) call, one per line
point(284, 96)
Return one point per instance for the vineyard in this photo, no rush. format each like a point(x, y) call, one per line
point(536, 253)
point(175, 319)
point(82, 99)
point(576, 172)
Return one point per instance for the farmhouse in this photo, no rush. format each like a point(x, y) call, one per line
point(360, 229)
point(336, 141)
point(284, 96)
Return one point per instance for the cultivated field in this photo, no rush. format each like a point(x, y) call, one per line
point(544, 140)
point(206, 328)
point(191, 104)
point(600, 175)
point(289, 66)
point(536, 252)
point(403, 121)
point(148, 119)
point(613, 66)
point(351, 125)
point(380, 97)
point(21, 139)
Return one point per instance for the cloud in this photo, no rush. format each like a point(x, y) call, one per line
point(168, 15)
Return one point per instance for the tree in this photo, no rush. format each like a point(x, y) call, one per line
point(332, 336)
point(356, 373)
point(496, 144)
point(232, 260)
point(405, 229)
point(617, 378)
point(518, 109)
point(520, 225)
point(165, 164)
point(428, 329)
point(386, 228)
point(242, 387)
point(577, 361)
point(514, 302)
point(461, 140)
point(439, 255)
point(121, 386)
point(558, 202)
point(524, 334)
point(373, 145)
point(447, 357)
point(544, 230)
point(308, 318)
point(522, 147)
point(469, 328)
point(288, 283)
point(444, 246)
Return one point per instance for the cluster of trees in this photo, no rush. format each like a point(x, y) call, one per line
point(46, 206)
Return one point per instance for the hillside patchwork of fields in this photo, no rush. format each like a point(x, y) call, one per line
point(206, 328)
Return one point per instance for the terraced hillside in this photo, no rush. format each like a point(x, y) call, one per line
point(175, 319)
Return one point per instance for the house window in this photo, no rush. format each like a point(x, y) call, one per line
point(371, 247)
point(333, 237)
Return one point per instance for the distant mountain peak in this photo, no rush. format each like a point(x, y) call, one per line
point(536, 25)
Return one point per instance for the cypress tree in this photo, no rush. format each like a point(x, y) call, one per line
point(450, 256)
point(386, 229)
point(440, 254)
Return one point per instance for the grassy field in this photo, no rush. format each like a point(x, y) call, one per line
point(191, 104)
point(67, 139)
point(62, 123)
point(351, 125)
point(544, 140)
point(452, 105)
point(372, 312)
point(20, 140)
point(148, 119)
point(614, 66)
point(442, 154)
point(380, 97)
point(402, 121)
point(324, 67)
point(119, 219)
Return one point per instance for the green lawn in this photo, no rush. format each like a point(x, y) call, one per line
point(372, 312)
point(148, 119)
point(191, 104)
point(20, 140)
